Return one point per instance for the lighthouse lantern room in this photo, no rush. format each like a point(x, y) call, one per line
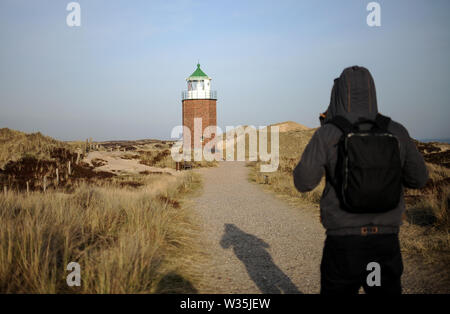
point(199, 86)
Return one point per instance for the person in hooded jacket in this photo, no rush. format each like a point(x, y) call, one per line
point(353, 239)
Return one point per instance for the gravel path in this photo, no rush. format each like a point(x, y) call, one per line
point(256, 242)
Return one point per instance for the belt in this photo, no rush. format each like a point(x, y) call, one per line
point(364, 231)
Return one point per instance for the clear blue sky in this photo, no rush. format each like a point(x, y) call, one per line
point(120, 75)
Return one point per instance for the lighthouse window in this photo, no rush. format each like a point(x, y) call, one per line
point(202, 85)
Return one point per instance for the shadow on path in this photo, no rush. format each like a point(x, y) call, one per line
point(173, 283)
point(259, 264)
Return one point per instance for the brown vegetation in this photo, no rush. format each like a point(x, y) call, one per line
point(292, 144)
point(159, 155)
point(130, 233)
point(35, 160)
point(126, 241)
point(15, 145)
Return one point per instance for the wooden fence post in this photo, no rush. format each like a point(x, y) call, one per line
point(68, 168)
point(5, 189)
point(57, 177)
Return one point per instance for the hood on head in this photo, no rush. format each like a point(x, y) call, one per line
point(353, 95)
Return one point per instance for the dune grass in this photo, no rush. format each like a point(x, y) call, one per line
point(427, 232)
point(430, 205)
point(15, 145)
point(292, 144)
point(125, 240)
point(159, 155)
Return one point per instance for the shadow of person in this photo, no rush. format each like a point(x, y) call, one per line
point(259, 264)
point(173, 283)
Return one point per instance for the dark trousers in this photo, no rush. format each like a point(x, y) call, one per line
point(345, 259)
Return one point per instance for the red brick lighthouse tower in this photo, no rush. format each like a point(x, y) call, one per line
point(199, 105)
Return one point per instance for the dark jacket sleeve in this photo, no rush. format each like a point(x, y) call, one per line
point(310, 169)
point(415, 172)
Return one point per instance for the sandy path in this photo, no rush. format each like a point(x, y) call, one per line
point(114, 163)
point(257, 243)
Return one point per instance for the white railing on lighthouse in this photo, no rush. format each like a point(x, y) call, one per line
point(199, 94)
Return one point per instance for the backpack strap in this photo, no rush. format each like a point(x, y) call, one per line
point(382, 121)
point(343, 124)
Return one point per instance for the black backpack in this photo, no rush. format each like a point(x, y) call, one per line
point(368, 176)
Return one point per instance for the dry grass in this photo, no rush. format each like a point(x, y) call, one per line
point(126, 240)
point(281, 182)
point(129, 233)
point(159, 155)
point(430, 205)
point(292, 144)
point(431, 208)
point(427, 231)
point(438, 172)
point(157, 158)
point(15, 145)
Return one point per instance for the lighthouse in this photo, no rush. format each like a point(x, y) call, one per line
point(199, 108)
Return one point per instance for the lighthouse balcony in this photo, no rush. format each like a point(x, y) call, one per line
point(199, 94)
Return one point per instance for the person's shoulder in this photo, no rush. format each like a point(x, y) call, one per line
point(329, 129)
point(398, 129)
point(328, 133)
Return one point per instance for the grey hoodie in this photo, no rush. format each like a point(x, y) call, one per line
point(353, 96)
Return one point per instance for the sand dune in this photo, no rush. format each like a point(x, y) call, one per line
point(290, 126)
point(114, 163)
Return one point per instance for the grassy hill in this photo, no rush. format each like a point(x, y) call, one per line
point(290, 126)
point(15, 145)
